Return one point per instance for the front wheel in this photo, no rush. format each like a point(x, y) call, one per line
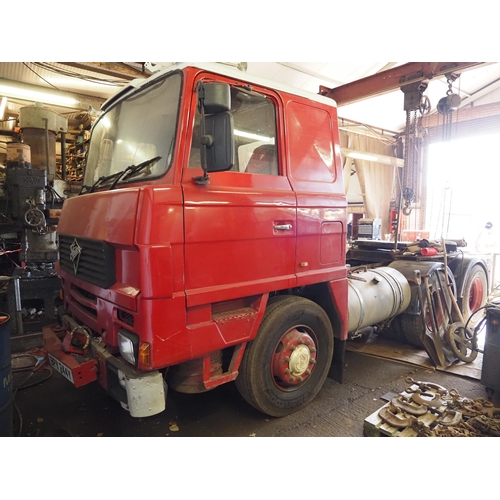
point(285, 366)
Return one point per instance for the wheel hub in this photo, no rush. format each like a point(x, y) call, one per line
point(476, 295)
point(294, 358)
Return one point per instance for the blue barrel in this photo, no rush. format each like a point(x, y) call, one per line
point(6, 398)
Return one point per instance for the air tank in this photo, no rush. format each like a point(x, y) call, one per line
point(376, 295)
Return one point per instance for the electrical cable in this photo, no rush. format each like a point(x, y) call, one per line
point(41, 77)
point(23, 385)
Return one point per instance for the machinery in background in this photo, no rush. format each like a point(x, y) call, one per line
point(30, 204)
point(369, 229)
point(490, 372)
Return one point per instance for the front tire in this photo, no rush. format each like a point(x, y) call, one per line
point(285, 366)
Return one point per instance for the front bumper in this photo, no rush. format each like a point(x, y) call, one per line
point(143, 394)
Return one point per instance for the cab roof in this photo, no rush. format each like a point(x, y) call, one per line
point(221, 69)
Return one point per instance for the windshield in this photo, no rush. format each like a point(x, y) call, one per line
point(139, 128)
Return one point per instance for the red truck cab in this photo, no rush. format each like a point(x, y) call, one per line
point(208, 242)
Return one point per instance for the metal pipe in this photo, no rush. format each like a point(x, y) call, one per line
point(47, 152)
point(63, 156)
point(17, 296)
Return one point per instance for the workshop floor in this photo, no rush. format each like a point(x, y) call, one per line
point(375, 467)
point(55, 408)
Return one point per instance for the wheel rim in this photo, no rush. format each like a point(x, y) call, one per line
point(294, 358)
point(476, 295)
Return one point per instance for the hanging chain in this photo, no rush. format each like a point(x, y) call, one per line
point(450, 85)
point(447, 105)
point(410, 162)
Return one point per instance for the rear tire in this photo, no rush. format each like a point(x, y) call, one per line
point(475, 294)
point(285, 366)
point(394, 331)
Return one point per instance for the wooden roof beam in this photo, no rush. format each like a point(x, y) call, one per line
point(117, 70)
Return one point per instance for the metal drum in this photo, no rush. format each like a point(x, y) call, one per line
point(6, 398)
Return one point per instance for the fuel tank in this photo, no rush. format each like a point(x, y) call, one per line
point(376, 295)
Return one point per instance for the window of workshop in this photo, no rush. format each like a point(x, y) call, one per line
point(462, 194)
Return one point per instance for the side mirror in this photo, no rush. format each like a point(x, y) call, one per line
point(214, 97)
point(218, 142)
point(217, 129)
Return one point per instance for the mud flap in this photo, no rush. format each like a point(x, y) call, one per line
point(337, 367)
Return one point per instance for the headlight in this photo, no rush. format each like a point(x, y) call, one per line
point(128, 343)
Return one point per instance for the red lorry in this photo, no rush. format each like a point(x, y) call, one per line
point(208, 245)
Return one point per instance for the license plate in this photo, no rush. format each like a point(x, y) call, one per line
point(61, 368)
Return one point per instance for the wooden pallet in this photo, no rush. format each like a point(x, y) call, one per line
point(374, 426)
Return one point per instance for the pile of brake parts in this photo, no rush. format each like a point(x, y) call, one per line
point(448, 414)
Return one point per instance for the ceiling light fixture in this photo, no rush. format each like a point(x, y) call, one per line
point(376, 158)
point(15, 92)
point(3, 104)
point(255, 137)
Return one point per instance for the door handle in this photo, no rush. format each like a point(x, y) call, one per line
point(282, 227)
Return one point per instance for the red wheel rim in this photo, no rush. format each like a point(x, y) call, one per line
point(294, 358)
point(476, 294)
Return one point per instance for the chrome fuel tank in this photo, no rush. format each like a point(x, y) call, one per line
point(376, 295)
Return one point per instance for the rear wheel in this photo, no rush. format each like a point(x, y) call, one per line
point(475, 294)
point(285, 366)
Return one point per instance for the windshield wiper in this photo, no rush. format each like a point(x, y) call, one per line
point(132, 170)
point(101, 179)
point(122, 175)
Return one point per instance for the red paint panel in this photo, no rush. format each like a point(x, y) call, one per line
point(156, 271)
point(321, 241)
point(127, 267)
point(332, 243)
point(160, 238)
point(108, 216)
point(163, 324)
point(232, 246)
point(316, 177)
point(310, 150)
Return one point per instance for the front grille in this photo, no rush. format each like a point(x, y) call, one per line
point(93, 260)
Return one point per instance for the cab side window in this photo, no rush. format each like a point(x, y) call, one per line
point(254, 118)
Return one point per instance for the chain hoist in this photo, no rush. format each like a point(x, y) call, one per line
point(447, 105)
point(415, 102)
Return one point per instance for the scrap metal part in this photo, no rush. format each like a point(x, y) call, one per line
point(390, 415)
point(450, 414)
point(450, 418)
point(434, 402)
point(486, 425)
point(403, 404)
point(425, 386)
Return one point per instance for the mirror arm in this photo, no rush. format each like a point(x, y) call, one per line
point(206, 141)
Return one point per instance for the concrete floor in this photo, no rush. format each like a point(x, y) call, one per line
point(56, 408)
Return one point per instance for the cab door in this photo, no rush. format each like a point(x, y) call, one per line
point(240, 228)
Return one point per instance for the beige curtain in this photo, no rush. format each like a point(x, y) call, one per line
point(377, 181)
